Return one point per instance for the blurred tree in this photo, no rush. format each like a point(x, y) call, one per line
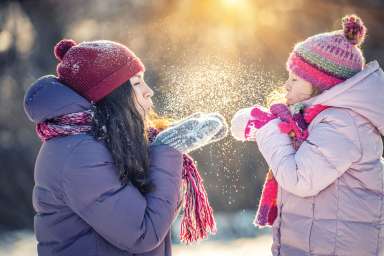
point(20, 62)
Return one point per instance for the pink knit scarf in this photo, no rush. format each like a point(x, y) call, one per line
point(197, 220)
point(297, 128)
point(69, 124)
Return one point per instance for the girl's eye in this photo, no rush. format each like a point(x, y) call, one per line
point(137, 83)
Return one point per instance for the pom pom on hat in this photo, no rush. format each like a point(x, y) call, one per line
point(62, 47)
point(354, 29)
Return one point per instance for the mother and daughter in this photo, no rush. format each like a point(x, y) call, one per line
point(111, 175)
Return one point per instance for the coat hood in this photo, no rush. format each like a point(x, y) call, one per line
point(48, 97)
point(363, 93)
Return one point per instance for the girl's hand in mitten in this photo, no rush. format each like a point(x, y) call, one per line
point(247, 121)
point(281, 111)
point(191, 133)
point(288, 124)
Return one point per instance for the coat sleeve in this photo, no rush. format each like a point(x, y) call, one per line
point(331, 148)
point(121, 214)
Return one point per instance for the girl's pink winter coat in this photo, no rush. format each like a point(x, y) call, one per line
point(331, 191)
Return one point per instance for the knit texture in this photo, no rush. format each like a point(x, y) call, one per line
point(330, 58)
point(94, 69)
point(294, 122)
point(193, 133)
point(197, 220)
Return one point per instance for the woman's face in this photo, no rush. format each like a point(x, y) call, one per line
point(143, 94)
point(297, 89)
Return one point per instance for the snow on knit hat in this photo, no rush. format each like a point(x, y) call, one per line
point(330, 58)
point(94, 69)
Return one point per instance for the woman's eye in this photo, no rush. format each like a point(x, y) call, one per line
point(138, 83)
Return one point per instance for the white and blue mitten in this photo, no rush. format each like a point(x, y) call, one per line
point(193, 132)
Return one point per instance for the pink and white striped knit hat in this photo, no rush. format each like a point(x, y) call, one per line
point(330, 58)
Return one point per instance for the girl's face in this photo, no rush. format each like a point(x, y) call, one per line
point(143, 94)
point(297, 89)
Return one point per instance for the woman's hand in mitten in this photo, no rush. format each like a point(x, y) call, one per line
point(223, 132)
point(247, 121)
point(191, 133)
point(195, 115)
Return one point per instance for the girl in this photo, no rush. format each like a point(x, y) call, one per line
point(100, 188)
point(326, 152)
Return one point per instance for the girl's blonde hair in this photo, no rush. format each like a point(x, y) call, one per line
point(278, 95)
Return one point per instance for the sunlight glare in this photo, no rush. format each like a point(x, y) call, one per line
point(233, 3)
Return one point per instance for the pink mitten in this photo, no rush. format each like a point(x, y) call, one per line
point(281, 111)
point(288, 124)
point(247, 121)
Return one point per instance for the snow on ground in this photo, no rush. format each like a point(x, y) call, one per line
point(236, 236)
point(24, 244)
point(239, 247)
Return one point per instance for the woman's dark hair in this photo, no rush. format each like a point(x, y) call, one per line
point(117, 122)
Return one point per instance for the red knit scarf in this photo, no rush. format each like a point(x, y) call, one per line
point(197, 220)
point(297, 129)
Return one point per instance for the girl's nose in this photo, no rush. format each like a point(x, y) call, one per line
point(287, 85)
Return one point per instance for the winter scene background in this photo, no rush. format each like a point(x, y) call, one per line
point(200, 55)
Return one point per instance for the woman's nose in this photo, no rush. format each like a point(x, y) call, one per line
point(148, 91)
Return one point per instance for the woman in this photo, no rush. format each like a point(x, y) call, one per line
point(100, 188)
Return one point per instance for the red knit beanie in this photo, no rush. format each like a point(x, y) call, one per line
point(94, 69)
